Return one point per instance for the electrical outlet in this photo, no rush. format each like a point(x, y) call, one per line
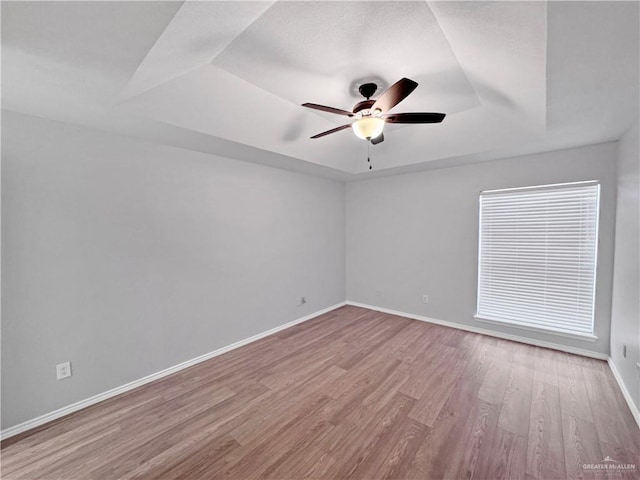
point(302, 301)
point(624, 351)
point(425, 298)
point(63, 370)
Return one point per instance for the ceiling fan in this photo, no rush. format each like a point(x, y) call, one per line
point(371, 115)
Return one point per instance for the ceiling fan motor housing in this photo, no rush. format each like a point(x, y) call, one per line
point(363, 105)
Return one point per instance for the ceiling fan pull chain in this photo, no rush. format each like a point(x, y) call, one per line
point(369, 154)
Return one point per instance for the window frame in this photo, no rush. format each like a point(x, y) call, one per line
point(547, 330)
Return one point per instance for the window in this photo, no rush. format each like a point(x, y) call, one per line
point(537, 257)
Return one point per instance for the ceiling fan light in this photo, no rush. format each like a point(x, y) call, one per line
point(367, 128)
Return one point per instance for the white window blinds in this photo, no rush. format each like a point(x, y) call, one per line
point(537, 256)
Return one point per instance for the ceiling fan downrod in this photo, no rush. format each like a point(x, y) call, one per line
point(367, 90)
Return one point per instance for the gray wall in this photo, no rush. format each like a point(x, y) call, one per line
point(127, 258)
point(416, 234)
point(625, 309)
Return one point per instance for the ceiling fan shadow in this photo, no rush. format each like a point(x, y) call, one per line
point(354, 87)
point(449, 91)
point(489, 94)
point(445, 90)
point(295, 128)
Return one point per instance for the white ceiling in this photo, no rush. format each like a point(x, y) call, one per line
point(229, 77)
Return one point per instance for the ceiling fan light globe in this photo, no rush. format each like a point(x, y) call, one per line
point(367, 128)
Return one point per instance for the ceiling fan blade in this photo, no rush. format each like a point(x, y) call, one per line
point(394, 94)
point(324, 108)
point(333, 130)
point(415, 117)
point(378, 139)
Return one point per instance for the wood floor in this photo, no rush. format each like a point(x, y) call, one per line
point(351, 394)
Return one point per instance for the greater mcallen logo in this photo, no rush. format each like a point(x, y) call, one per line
point(609, 464)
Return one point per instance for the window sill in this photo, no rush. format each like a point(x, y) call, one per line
point(587, 337)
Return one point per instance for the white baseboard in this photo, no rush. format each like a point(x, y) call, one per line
point(61, 412)
point(578, 351)
point(492, 333)
point(623, 388)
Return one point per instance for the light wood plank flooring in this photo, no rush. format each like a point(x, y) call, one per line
point(351, 394)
